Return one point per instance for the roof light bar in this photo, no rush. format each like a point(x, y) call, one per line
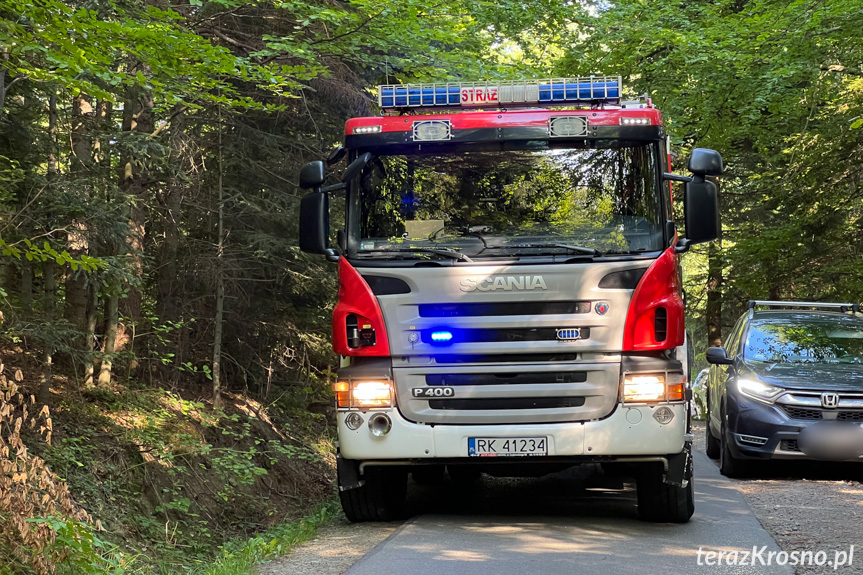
point(555, 91)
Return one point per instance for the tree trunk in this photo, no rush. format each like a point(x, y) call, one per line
point(220, 286)
point(49, 269)
point(77, 241)
point(714, 296)
point(90, 336)
point(26, 288)
point(112, 312)
point(137, 117)
point(713, 313)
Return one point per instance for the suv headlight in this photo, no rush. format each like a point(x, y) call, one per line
point(759, 390)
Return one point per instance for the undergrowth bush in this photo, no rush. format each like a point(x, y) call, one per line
point(30, 493)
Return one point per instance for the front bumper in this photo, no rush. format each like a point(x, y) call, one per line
point(630, 431)
point(751, 422)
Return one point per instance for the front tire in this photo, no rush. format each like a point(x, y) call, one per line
point(713, 444)
point(662, 502)
point(380, 498)
point(730, 466)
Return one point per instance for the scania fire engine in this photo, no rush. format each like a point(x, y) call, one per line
point(510, 296)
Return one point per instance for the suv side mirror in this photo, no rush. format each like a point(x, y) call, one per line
point(701, 211)
point(718, 356)
point(706, 162)
point(315, 223)
point(312, 175)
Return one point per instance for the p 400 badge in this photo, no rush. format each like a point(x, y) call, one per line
point(433, 392)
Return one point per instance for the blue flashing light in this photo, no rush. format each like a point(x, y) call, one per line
point(441, 336)
point(556, 91)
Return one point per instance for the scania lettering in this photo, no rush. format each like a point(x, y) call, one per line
point(510, 295)
point(509, 283)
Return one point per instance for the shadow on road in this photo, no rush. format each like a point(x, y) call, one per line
point(582, 491)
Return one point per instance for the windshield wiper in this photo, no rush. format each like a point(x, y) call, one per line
point(452, 254)
point(577, 249)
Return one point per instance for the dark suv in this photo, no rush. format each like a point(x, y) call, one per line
point(790, 385)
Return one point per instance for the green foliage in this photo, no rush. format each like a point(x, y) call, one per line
point(84, 551)
point(240, 557)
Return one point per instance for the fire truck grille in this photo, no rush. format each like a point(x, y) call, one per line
point(447, 379)
point(510, 393)
point(506, 335)
point(507, 403)
point(501, 309)
point(452, 358)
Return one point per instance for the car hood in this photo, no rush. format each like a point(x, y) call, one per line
point(814, 376)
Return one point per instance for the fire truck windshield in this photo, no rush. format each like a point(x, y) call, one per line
point(533, 199)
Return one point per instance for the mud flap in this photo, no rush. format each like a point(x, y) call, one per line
point(348, 470)
point(680, 467)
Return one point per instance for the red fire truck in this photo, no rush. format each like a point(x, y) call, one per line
point(509, 295)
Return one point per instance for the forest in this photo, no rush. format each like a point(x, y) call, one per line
point(166, 359)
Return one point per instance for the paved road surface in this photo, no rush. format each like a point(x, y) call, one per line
point(566, 524)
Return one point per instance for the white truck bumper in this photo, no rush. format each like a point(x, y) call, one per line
point(629, 431)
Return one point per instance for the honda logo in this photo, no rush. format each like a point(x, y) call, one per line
point(830, 400)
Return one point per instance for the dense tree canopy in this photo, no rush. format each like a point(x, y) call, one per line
point(149, 154)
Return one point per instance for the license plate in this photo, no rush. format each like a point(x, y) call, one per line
point(506, 446)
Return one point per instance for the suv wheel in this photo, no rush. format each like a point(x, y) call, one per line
point(730, 466)
point(713, 444)
point(380, 498)
point(661, 502)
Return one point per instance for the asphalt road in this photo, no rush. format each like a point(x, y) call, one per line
point(582, 522)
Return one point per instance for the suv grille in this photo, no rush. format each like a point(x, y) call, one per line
point(801, 412)
point(809, 413)
point(789, 445)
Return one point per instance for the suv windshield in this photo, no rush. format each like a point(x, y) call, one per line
point(535, 199)
point(805, 341)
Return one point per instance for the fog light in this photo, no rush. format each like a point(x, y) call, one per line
point(663, 415)
point(354, 420)
point(380, 424)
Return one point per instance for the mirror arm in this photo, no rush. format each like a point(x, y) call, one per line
point(682, 246)
point(332, 255)
point(676, 177)
point(333, 188)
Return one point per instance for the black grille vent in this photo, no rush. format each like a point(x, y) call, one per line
point(801, 412)
point(503, 335)
point(503, 308)
point(627, 279)
point(856, 415)
point(790, 445)
point(505, 378)
point(507, 403)
point(660, 324)
point(508, 358)
point(382, 285)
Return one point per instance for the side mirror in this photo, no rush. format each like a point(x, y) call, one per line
point(701, 211)
point(315, 223)
point(312, 175)
point(336, 155)
point(718, 356)
point(356, 167)
point(705, 162)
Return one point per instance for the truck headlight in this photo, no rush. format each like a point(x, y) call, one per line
point(759, 390)
point(363, 394)
point(643, 388)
